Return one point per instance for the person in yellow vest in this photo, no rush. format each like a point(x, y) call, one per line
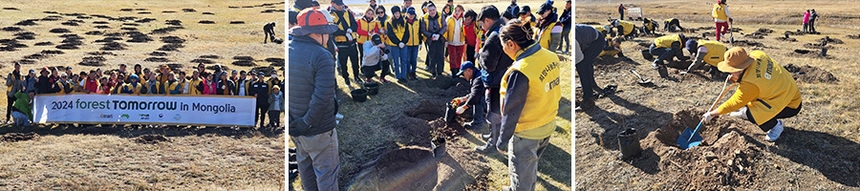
point(526, 15)
point(613, 47)
point(196, 85)
point(672, 23)
point(666, 47)
point(433, 27)
point(623, 28)
point(722, 18)
point(367, 26)
point(133, 86)
point(766, 92)
point(413, 27)
point(398, 35)
point(705, 51)
point(548, 31)
point(649, 26)
point(345, 40)
point(456, 35)
point(530, 94)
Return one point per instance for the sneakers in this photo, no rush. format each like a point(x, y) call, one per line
point(383, 80)
point(774, 133)
point(486, 149)
point(740, 113)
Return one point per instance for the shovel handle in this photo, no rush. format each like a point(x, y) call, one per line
point(725, 90)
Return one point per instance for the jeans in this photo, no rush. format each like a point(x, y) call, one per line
point(585, 68)
point(812, 25)
point(479, 112)
point(554, 40)
point(21, 119)
point(523, 157)
point(9, 101)
point(317, 157)
point(662, 53)
point(565, 40)
point(397, 57)
point(411, 61)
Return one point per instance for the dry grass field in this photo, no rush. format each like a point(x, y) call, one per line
point(403, 115)
point(817, 151)
point(44, 33)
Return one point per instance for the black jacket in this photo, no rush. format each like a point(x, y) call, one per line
point(495, 61)
point(261, 90)
point(44, 85)
point(476, 95)
point(226, 87)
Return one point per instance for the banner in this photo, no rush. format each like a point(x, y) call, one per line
point(134, 109)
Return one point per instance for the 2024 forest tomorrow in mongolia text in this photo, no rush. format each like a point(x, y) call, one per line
point(141, 105)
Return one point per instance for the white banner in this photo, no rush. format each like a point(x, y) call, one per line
point(143, 109)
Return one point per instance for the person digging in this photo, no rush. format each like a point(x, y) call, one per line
point(666, 47)
point(766, 92)
point(269, 30)
point(705, 51)
point(475, 98)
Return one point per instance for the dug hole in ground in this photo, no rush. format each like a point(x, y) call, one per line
point(816, 150)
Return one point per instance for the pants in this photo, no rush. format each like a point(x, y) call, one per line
point(622, 15)
point(565, 38)
point(554, 40)
point(785, 113)
point(495, 120)
point(317, 157)
point(523, 157)
point(722, 28)
point(370, 71)
point(398, 61)
point(494, 116)
point(455, 57)
point(427, 57)
point(436, 57)
point(479, 113)
point(585, 68)
point(10, 101)
point(269, 36)
point(261, 111)
point(360, 48)
point(812, 25)
point(412, 55)
point(805, 27)
point(665, 53)
point(343, 54)
point(274, 118)
point(470, 53)
point(21, 119)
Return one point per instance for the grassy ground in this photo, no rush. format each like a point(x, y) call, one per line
point(67, 159)
point(808, 150)
point(367, 130)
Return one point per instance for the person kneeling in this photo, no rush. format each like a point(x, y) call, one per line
point(475, 98)
point(375, 59)
point(22, 109)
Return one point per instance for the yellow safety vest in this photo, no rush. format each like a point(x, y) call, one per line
point(135, 90)
point(666, 41)
point(193, 87)
point(426, 20)
point(414, 33)
point(628, 26)
point(716, 51)
point(449, 33)
point(369, 27)
point(543, 69)
point(720, 12)
point(399, 31)
point(336, 19)
point(543, 35)
point(777, 88)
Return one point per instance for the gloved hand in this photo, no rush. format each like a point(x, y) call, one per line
point(401, 45)
point(298, 126)
point(436, 37)
point(348, 30)
point(461, 109)
point(707, 116)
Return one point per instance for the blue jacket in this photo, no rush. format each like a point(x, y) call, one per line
point(312, 105)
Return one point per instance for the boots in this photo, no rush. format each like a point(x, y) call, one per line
point(585, 105)
point(486, 149)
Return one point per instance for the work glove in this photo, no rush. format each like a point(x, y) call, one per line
point(298, 126)
point(707, 116)
point(401, 45)
point(461, 109)
point(348, 30)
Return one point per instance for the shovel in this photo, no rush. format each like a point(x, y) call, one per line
point(641, 80)
point(691, 138)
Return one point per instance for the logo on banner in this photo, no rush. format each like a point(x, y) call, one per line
point(106, 116)
point(144, 116)
point(177, 117)
point(124, 116)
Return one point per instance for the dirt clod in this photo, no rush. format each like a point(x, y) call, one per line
point(237, 22)
point(15, 137)
point(60, 30)
point(156, 59)
point(811, 74)
point(151, 139)
point(206, 22)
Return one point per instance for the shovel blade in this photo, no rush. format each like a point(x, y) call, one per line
point(685, 142)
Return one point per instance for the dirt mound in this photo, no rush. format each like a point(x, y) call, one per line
point(272, 11)
point(126, 9)
point(852, 36)
point(171, 47)
point(175, 66)
point(166, 30)
point(73, 41)
point(810, 74)
point(67, 46)
point(37, 56)
point(211, 56)
point(50, 12)
point(267, 70)
point(168, 11)
point(747, 43)
point(69, 23)
point(26, 61)
point(138, 37)
point(408, 168)
point(11, 8)
point(206, 22)
point(145, 20)
point(28, 22)
point(47, 52)
point(156, 59)
point(151, 139)
point(725, 159)
point(173, 22)
point(808, 54)
point(128, 28)
point(830, 40)
point(60, 30)
point(188, 10)
point(798, 32)
point(44, 44)
point(157, 53)
point(244, 63)
point(101, 22)
point(94, 33)
point(130, 24)
point(52, 18)
point(427, 110)
point(276, 61)
point(144, 13)
point(101, 53)
point(15, 137)
point(202, 60)
point(25, 36)
point(101, 27)
point(84, 17)
point(208, 13)
point(12, 29)
point(113, 46)
point(816, 46)
point(93, 61)
point(172, 39)
point(237, 22)
point(247, 58)
point(786, 39)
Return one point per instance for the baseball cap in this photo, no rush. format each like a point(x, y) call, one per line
point(525, 9)
point(235, 71)
point(691, 45)
point(338, 2)
point(261, 73)
point(466, 65)
point(313, 21)
point(411, 10)
point(737, 59)
point(376, 39)
point(32, 71)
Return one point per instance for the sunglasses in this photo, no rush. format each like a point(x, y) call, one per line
point(380, 12)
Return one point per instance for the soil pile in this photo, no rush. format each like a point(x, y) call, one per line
point(15, 137)
point(93, 61)
point(25, 36)
point(276, 61)
point(243, 61)
point(28, 22)
point(60, 30)
point(810, 74)
point(206, 22)
point(408, 168)
point(151, 139)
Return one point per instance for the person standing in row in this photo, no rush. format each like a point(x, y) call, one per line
point(567, 24)
point(14, 84)
point(398, 35)
point(456, 35)
point(471, 29)
point(433, 28)
point(344, 38)
point(549, 32)
point(413, 27)
point(260, 90)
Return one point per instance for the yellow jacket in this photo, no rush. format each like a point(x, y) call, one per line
point(719, 12)
point(543, 70)
point(449, 33)
point(765, 88)
point(716, 51)
point(414, 29)
point(135, 89)
point(666, 41)
point(192, 90)
point(365, 28)
point(628, 26)
point(543, 35)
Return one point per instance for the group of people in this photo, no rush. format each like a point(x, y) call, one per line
point(809, 21)
point(766, 92)
point(514, 75)
point(161, 81)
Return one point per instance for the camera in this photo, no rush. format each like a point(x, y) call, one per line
point(386, 51)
